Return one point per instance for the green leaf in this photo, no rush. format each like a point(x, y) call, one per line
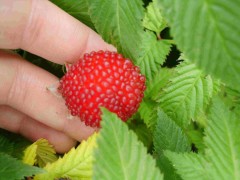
point(168, 136)
point(40, 153)
point(77, 9)
point(76, 164)
point(143, 133)
point(159, 81)
point(6, 146)
point(119, 23)
point(120, 155)
point(222, 139)
point(221, 159)
point(205, 31)
point(11, 168)
point(187, 95)
point(196, 137)
point(152, 54)
point(190, 166)
point(12, 144)
point(148, 112)
point(148, 107)
point(153, 19)
point(232, 98)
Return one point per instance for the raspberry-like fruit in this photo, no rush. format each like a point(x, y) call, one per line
point(102, 79)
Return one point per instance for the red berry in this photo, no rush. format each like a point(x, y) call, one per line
point(102, 79)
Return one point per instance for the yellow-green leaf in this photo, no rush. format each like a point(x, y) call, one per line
point(76, 164)
point(30, 154)
point(39, 153)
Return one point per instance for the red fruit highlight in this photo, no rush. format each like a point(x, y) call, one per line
point(102, 79)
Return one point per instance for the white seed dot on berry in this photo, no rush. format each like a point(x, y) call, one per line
point(108, 91)
point(114, 88)
point(117, 82)
point(92, 92)
point(83, 96)
point(99, 67)
point(105, 100)
point(114, 67)
point(123, 85)
point(70, 93)
point(102, 95)
point(116, 75)
point(105, 84)
point(84, 78)
point(91, 104)
point(112, 101)
point(121, 78)
point(106, 63)
point(120, 70)
point(104, 74)
point(128, 88)
point(110, 80)
point(132, 102)
point(96, 72)
point(91, 85)
point(98, 88)
point(124, 99)
point(86, 91)
point(97, 99)
point(120, 93)
point(91, 76)
point(115, 108)
point(131, 95)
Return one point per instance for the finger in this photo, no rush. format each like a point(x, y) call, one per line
point(24, 87)
point(17, 122)
point(42, 28)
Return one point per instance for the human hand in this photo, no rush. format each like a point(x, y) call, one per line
point(26, 106)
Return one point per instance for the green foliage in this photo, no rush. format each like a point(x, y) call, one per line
point(120, 155)
point(76, 164)
point(206, 32)
point(232, 98)
point(119, 23)
point(194, 136)
point(152, 54)
point(221, 159)
point(11, 168)
point(168, 136)
point(148, 113)
point(153, 19)
point(187, 95)
point(12, 144)
point(143, 133)
point(77, 9)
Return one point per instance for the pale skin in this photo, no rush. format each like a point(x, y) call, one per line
point(26, 106)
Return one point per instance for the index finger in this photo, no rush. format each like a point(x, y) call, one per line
point(43, 29)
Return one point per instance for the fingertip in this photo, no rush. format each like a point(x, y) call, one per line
point(62, 144)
